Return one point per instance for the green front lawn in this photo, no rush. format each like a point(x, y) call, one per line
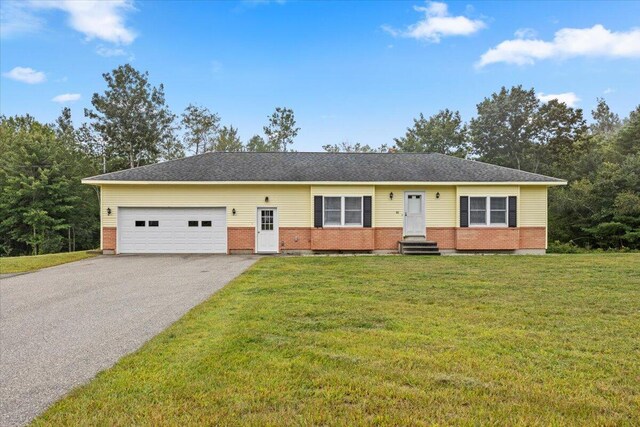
point(20, 264)
point(550, 340)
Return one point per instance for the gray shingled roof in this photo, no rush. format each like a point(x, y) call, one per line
point(333, 167)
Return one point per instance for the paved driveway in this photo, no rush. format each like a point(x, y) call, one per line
point(62, 325)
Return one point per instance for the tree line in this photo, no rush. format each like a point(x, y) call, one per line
point(44, 208)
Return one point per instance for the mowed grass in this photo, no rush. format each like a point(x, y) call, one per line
point(508, 340)
point(21, 264)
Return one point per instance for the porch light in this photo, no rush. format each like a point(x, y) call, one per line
point(108, 211)
point(233, 211)
point(437, 195)
point(391, 195)
point(266, 199)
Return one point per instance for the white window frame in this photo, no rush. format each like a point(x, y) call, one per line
point(342, 212)
point(487, 222)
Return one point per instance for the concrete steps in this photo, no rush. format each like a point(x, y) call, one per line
point(418, 246)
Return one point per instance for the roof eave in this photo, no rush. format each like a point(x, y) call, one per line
point(90, 181)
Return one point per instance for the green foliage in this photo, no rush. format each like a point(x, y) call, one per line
point(257, 144)
point(281, 130)
point(228, 140)
point(133, 120)
point(201, 128)
point(347, 147)
point(43, 206)
point(443, 133)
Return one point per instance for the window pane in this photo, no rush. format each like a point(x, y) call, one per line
point(140, 223)
point(352, 217)
point(478, 203)
point(498, 203)
point(205, 223)
point(332, 217)
point(353, 203)
point(498, 217)
point(332, 203)
point(478, 217)
point(153, 223)
point(193, 223)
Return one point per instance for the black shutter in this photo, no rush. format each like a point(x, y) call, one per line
point(464, 211)
point(513, 209)
point(366, 215)
point(317, 211)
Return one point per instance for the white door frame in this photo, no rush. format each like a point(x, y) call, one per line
point(424, 213)
point(276, 228)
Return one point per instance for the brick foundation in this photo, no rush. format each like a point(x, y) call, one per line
point(342, 239)
point(241, 239)
point(386, 238)
point(445, 237)
point(533, 238)
point(295, 239)
point(487, 238)
point(109, 239)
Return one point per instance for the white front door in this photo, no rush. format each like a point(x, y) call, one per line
point(414, 217)
point(267, 230)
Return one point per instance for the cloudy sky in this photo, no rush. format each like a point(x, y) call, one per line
point(352, 71)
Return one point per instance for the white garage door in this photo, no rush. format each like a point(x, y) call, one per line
point(172, 230)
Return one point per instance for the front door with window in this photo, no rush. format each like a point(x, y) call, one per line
point(267, 230)
point(414, 216)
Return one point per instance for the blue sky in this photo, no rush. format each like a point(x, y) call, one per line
point(352, 71)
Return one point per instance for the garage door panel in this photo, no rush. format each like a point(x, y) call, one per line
point(173, 233)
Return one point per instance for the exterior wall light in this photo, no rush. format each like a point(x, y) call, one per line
point(391, 195)
point(266, 199)
point(437, 195)
point(233, 211)
point(108, 211)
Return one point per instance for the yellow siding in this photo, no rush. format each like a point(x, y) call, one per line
point(533, 206)
point(486, 190)
point(439, 212)
point(341, 190)
point(293, 202)
point(389, 213)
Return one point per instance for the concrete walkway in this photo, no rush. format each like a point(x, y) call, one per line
point(60, 326)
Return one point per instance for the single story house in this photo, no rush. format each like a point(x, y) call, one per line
point(311, 202)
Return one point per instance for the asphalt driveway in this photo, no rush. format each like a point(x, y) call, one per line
point(62, 325)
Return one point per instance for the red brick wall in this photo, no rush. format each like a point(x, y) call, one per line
point(444, 236)
point(295, 238)
point(109, 238)
point(533, 238)
point(381, 238)
point(241, 239)
point(386, 238)
point(342, 238)
point(487, 238)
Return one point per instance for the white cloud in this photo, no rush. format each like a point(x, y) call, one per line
point(437, 23)
point(66, 97)
point(96, 19)
point(26, 75)
point(608, 91)
point(525, 33)
point(110, 51)
point(16, 18)
point(569, 98)
point(596, 41)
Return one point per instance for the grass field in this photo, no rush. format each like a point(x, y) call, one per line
point(508, 340)
point(21, 264)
